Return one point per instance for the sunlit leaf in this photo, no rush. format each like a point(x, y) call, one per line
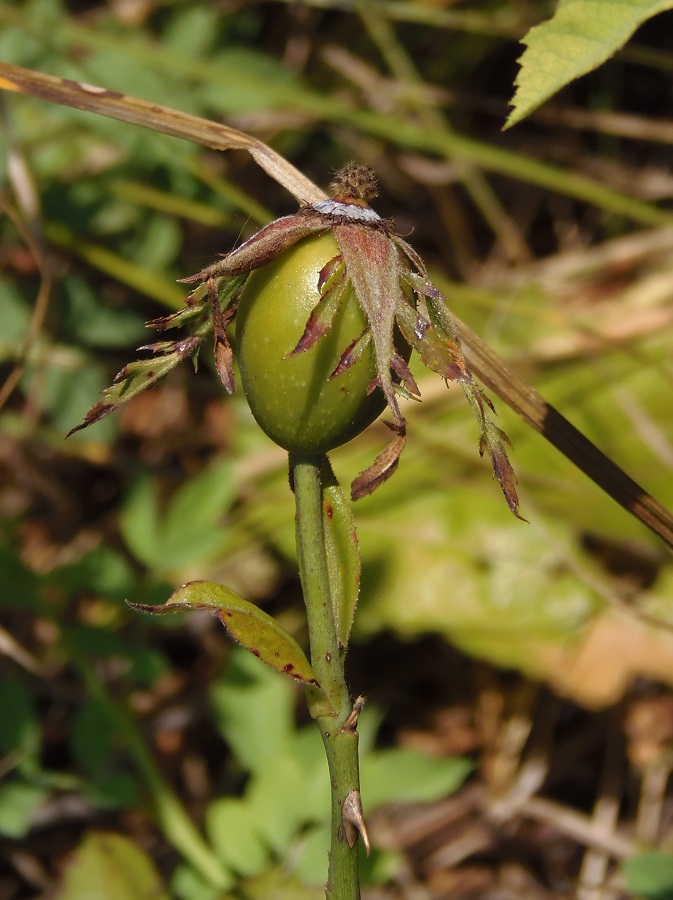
point(231, 828)
point(18, 804)
point(254, 629)
point(108, 866)
point(650, 875)
point(580, 36)
point(400, 774)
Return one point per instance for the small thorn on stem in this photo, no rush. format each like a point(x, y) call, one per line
point(352, 721)
point(353, 820)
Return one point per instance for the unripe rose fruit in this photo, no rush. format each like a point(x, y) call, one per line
point(291, 397)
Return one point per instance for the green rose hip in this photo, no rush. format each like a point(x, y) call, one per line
point(293, 397)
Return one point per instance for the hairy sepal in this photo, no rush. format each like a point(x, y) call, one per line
point(492, 440)
point(383, 466)
point(264, 246)
point(333, 292)
point(372, 265)
point(210, 307)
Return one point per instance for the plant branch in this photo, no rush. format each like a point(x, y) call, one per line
point(338, 727)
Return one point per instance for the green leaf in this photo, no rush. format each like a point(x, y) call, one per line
point(650, 875)
point(231, 829)
point(94, 323)
point(139, 521)
point(283, 798)
point(192, 529)
point(18, 803)
point(343, 552)
point(400, 774)
point(254, 711)
point(254, 629)
point(580, 36)
point(20, 732)
point(108, 866)
point(92, 737)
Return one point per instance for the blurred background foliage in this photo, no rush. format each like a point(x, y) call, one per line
point(552, 240)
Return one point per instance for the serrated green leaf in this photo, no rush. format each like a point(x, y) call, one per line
point(109, 866)
point(254, 629)
point(580, 36)
point(650, 875)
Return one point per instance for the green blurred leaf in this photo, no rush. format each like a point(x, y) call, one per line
point(192, 31)
point(139, 521)
point(188, 529)
point(186, 884)
point(312, 853)
point(193, 527)
point(254, 711)
point(92, 738)
point(278, 884)
point(108, 866)
point(14, 321)
point(66, 392)
point(19, 587)
point(399, 775)
point(20, 730)
point(116, 790)
point(254, 629)
point(276, 795)
point(650, 875)
point(580, 36)
point(89, 320)
point(147, 665)
point(231, 829)
point(18, 804)
point(103, 570)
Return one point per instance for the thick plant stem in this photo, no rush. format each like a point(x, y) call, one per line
point(338, 727)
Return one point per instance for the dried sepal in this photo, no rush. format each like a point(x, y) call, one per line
point(492, 440)
point(383, 466)
point(224, 354)
point(210, 307)
point(352, 353)
point(138, 376)
point(406, 386)
point(334, 291)
point(372, 266)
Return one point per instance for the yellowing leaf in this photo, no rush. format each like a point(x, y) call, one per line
point(254, 629)
point(109, 866)
point(580, 36)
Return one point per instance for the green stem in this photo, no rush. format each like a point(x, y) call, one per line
point(338, 728)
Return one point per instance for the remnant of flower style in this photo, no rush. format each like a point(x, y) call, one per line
point(391, 285)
